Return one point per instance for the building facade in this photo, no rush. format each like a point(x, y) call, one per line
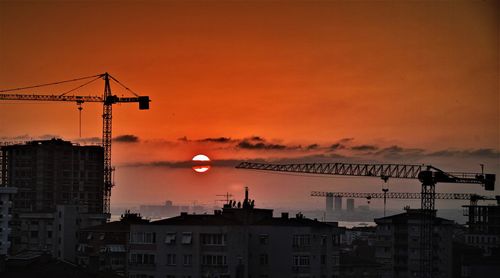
point(53, 172)
point(483, 227)
point(60, 189)
point(398, 247)
point(104, 248)
point(235, 242)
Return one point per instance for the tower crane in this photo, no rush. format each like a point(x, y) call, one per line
point(428, 175)
point(107, 99)
point(473, 198)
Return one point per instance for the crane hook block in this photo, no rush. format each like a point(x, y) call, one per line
point(144, 103)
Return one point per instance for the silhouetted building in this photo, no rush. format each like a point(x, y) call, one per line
point(338, 203)
point(398, 246)
point(350, 204)
point(239, 241)
point(53, 172)
point(104, 248)
point(60, 189)
point(6, 194)
point(483, 227)
point(159, 211)
point(329, 204)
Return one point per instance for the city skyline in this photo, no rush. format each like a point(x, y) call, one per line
point(329, 81)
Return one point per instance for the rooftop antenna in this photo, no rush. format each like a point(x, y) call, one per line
point(227, 197)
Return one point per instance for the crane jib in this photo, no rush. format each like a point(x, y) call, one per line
point(426, 174)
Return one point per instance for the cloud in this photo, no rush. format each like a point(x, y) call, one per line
point(336, 146)
point(216, 140)
point(260, 146)
point(364, 148)
point(231, 163)
point(127, 138)
point(257, 139)
point(484, 153)
point(86, 140)
point(312, 147)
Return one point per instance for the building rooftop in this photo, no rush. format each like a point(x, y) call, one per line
point(118, 226)
point(42, 266)
point(410, 214)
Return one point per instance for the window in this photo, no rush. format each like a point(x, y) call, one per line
point(142, 259)
point(264, 239)
point(143, 237)
point(323, 240)
point(323, 259)
point(170, 238)
point(34, 234)
point(187, 238)
point(49, 234)
point(301, 240)
point(264, 259)
point(213, 260)
point(188, 260)
point(213, 239)
point(301, 260)
point(171, 259)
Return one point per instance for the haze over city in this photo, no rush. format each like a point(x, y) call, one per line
point(283, 81)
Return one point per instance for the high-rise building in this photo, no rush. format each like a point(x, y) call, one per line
point(53, 172)
point(338, 203)
point(398, 247)
point(350, 204)
point(329, 204)
point(60, 189)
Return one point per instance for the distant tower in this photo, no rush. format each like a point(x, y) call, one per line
point(350, 204)
point(338, 203)
point(329, 204)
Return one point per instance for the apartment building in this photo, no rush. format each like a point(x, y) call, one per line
point(239, 242)
point(398, 246)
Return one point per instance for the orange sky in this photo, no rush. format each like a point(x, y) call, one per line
point(419, 76)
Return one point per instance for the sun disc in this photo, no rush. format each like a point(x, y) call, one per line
point(201, 169)
point(201, 157)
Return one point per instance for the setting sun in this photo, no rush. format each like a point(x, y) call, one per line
point(201, 163)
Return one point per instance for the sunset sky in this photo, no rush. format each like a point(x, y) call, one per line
point(365, 81)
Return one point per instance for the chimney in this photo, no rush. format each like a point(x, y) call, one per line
point(184, 214)
point(284, 215)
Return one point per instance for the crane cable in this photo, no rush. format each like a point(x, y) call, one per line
point(74, 89)
point(121, 84)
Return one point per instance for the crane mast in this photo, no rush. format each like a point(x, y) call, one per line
point(107, 99)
